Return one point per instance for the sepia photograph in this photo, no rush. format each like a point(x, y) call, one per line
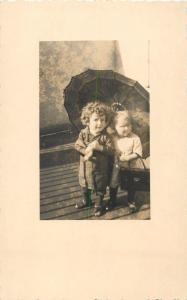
point(94, 134)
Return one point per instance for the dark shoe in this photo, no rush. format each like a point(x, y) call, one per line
point(109, 206)
point(132, 207)
point(81, 204)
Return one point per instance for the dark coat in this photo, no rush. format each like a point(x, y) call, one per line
point(94, 173)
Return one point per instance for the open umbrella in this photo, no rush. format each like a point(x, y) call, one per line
point(104, 85)
point(109, 87)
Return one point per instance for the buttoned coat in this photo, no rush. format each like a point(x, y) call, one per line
point(94, 173)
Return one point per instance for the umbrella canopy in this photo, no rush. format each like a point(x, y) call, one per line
point(109, 87)
point(106, 86)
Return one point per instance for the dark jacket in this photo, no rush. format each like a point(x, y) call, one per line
point(94, 173)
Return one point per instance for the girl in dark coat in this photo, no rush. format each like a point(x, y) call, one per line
point(95, 148)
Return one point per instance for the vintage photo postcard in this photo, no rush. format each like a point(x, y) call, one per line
point(94, 142)
point(93, 150)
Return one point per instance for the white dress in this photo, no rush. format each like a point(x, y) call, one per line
point(128, 145)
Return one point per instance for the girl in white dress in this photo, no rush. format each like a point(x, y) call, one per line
point(128, 149)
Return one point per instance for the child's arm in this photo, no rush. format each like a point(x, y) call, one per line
point(129, 157)
point(137, 148)
point(80, 145)
point(105, 145)
point(88, 154)
point(137, 151)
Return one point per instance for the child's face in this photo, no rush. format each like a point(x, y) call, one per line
point(97, 123)
point(123, 127)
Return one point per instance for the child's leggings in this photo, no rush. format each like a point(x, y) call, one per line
point(86, 194)
point(130, 197)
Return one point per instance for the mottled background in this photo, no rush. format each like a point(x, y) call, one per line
point(59, 61)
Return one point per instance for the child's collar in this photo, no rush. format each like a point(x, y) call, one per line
point(103, 131)
point(121, 137)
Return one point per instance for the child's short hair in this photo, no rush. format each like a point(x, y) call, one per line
point(95, 107)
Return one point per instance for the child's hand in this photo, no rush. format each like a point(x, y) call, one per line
point(88, 154)
point(95, 146)
point(124, 157)
point(88, 149)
